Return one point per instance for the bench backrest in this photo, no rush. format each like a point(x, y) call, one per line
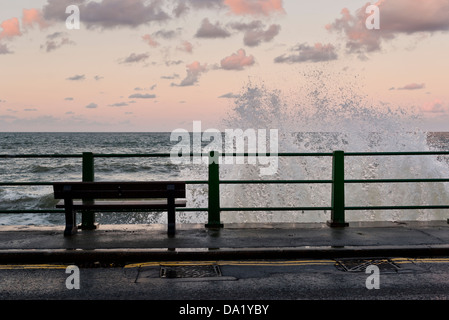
point(117, 190)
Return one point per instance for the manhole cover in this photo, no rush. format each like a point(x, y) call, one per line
point(200, 271)
point(360, 265)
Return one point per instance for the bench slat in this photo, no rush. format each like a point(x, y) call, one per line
point(117, 190)
point(122, 205)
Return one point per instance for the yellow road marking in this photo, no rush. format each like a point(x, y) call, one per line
point(420, 260)
point(317, 262)
point(274, 263)
point(232, 263)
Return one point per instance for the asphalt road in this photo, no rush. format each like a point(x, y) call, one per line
point(321, 279)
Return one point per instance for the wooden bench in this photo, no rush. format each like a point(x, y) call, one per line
point(100, 196)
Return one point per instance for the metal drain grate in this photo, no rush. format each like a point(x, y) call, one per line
point(195, 271)
point(360, 265)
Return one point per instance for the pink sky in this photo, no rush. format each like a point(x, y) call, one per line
point(138, 65)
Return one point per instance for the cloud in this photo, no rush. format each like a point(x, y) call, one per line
point(30, 109)
point(142, 96)
point(171, 77)
point(118, 104)
point(305, 53)
point(4, 49)
point(413, 86)
point(167, 34)
point(237, 61)
point(255, 37)
point(173, 62)
point(135, 58)
point(229, 95)
point(396, 17)
point(209, 30)
point(208, 4)
point(194, 70)
point(150, 41)
point(180, 9)
point(10, 28)
point(254, 32)
point(436, 106)
point(55, 41)
point(255, 7)
point(109, 13)
point(78, 77)
point(186, 46)
point(31, 17)
point(68, 99)
point(92, 106)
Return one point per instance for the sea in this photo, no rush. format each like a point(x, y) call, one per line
point(327, 111)
point(163, 168)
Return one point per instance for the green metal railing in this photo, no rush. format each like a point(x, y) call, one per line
point(338, 182)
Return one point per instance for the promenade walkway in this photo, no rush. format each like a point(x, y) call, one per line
point(134, 243)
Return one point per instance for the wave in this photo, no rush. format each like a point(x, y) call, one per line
point(327, 112)
point(331, 113)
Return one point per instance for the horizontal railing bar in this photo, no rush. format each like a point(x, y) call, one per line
point(225, 154)
point(259, 209)
point(40, 156)
point(276, 209)
point(396, 180)
point(280, 154)
point(46, 183)
point(157, 155)
point(131, 155)
point(274, 181)
point(110, 210)
point(196, 182)
point(398, 207)
point(404, 153)
point(244, 154)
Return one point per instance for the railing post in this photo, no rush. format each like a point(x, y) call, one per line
point(214, 192)
point(338, 191)
point(88, 217)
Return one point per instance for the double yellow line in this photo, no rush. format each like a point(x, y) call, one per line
point(419, 260)
point(255, 263)
point(233, 263)
point(274, 263)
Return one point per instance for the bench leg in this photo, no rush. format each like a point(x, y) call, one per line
point(70, 218)
point(171, 222)
point(171, 217)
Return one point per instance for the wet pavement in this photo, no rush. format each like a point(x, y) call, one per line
point(223, 268)
point(129, 243)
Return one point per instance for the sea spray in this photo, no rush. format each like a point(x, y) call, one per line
point(330, 113)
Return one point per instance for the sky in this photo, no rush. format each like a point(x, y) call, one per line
point(154, 65)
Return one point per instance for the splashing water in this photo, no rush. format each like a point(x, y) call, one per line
point(330, 113)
